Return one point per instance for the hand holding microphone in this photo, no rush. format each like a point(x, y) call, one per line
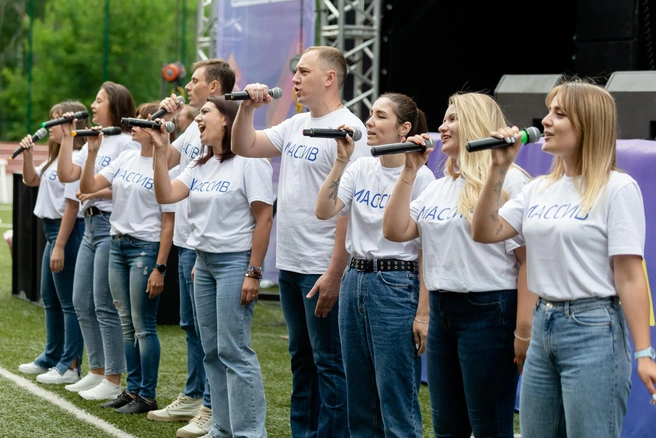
point(151, 124)
point(408, 146)
point(80, 115)
point(355, 134)
point(259, 95)
point(168, 107)
point(527, 135)
point(27, 142)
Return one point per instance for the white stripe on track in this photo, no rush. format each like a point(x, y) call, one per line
point(65, 405)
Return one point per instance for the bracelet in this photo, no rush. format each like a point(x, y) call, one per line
point(403, 179)
point(341, 159)
point(420, 321)
point(254, 272)
point(522, 339)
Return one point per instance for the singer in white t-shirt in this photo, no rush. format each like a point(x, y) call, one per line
point(584, 227)
point(381, 291)
point(477, 291)
point(97, 314)
point(63, 225)
point(230, 217)
point(142, 233)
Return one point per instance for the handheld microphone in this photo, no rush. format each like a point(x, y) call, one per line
point(333, 133)
point(38, 135)
point(160, 112)
point(398, 148)
point(80, 115)
point(276, 93)
point(110, 130)
point(143, 123)
point(528, 135)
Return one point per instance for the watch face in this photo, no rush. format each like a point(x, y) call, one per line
point(160, 268)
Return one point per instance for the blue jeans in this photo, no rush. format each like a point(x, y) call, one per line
point(232, 368)
point(318, 404)
point(96, 312)
point(131, 261)
point(383, 371)
point(196, 383)
point(577, 375)
point(64, 341)
point(472, 379)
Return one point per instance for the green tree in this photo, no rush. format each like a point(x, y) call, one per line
point(68, 53)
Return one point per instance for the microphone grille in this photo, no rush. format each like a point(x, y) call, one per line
point(170, 127)
point(533, 134)
point(357, 134)
point(276, 92)
point(40, 133)
point(181, 99)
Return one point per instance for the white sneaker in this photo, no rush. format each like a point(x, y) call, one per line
point(31, 368)
point(53, 376)
point(104, 391)
point(199, 426)
point(87, 382)
point(183, 409)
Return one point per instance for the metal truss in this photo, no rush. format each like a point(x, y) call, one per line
point(206, 29)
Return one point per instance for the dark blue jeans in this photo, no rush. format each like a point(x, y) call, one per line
point(64, 341)
point(318, 404)
point(472, 379)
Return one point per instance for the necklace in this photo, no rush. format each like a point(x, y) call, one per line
point(380, 176)
point(338, 105)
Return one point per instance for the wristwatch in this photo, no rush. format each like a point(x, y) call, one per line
point(647, 352)
point(160, 267)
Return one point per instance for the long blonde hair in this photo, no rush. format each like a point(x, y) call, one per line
point(478, 114)
point(593, 113)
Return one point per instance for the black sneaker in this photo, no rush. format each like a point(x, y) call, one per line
point(138, 406)
point(120, 401)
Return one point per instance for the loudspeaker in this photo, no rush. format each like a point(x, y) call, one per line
point(635, 94)
point(28, 243)
point(521, 97)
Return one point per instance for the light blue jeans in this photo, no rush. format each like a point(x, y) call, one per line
point(577, 375)
point(318, 404)
point(96, 312)
point(196, 384)
point(232, 368)
point(64, 341)
point(383, 371)
point(131, 261)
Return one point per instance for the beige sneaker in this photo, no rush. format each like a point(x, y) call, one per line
point(183, 409)
point(199, 426)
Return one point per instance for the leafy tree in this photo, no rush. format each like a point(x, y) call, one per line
point(68, 54)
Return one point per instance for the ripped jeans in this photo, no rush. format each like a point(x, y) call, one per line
point(131, 261)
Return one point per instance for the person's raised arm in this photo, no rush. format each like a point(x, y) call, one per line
point(30, 176)
point(263, 215)
point(66, 170)
point(487, 225)
point(398, 226)
point(328, 204)
point(90, 182)
point(246, 141)
point(166, 191)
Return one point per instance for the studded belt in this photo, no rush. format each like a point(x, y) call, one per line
point(367, 265)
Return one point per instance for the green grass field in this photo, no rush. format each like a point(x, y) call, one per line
point(54, 412)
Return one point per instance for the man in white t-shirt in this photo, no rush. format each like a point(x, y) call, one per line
point(211, 77)
point(310, 253)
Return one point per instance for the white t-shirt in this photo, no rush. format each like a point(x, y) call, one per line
point(110, 148)
point(570, 254)
point(220, 197)
point(452, 260)
point(51, 197)
point(189, 147)
point(135, 210)
point(365, 189)
point(304, 244)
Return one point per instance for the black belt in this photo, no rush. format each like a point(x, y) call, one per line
point(367, 265)
point(92, 211)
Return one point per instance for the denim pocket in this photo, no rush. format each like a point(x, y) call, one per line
point(596, 317)
point(402, 279)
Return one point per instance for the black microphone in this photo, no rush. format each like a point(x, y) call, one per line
point(276, 93)
point(38, 135)
point(80, 115)
point(397, 148)
point(333, 133)
point(143, 123)
point(528, 135)
point(110, 130)
point(160, 112)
